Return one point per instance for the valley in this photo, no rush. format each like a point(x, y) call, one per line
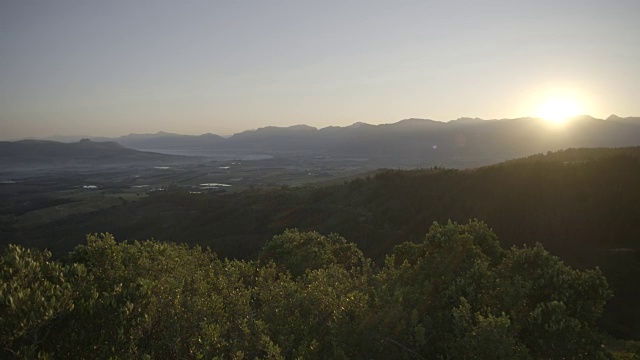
point(37, 196)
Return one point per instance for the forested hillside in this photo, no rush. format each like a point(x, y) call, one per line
point(583, 205)
point(455, 294)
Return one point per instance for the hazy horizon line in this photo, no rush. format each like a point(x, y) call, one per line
point(227, 135)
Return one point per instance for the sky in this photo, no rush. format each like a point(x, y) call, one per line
point(109, 68)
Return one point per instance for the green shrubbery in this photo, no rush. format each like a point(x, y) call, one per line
point(456, 295)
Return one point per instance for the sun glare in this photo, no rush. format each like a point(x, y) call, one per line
point(558, 110)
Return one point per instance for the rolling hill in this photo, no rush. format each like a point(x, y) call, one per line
point(52, 154)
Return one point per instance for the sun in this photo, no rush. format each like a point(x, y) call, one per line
point(557, 110)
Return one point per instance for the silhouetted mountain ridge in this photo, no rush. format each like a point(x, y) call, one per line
point(464, 142)
point(626, 120)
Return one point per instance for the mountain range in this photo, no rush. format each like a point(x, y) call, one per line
point(462, 143)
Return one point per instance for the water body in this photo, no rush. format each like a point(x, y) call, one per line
point(213, 185)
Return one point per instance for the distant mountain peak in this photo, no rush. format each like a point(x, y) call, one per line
point(148, 135)
point(415, 120)
point(624, 120)
point(583, 116)
point(466, 120)
point(358, 125)
point(302, 127)
point(411, 122)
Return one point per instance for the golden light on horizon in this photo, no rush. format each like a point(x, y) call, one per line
point(557, 110)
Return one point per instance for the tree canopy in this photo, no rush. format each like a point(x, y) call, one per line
point(458, 294)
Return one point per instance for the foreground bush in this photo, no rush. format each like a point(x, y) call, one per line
point(456, 295)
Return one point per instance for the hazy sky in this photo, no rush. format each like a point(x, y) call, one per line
point(109, 67)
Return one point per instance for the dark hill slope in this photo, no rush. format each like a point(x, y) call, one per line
point(581, 204)
point(585, 197)
point(577, 155)
point(43, 153)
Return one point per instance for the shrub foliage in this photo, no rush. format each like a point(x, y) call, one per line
point(456, 295)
